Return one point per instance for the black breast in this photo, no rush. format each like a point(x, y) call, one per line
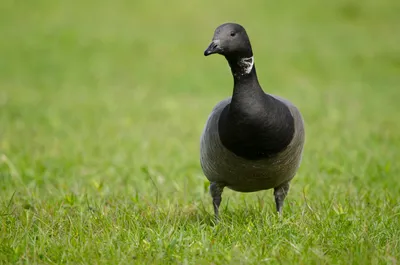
point(256, 129)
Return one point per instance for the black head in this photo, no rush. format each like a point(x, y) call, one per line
point(230, 40)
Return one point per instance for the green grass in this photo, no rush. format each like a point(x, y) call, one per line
point(101, 108)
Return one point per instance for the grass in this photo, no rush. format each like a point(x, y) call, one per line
point(102, 105)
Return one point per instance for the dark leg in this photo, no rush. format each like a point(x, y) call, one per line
point(280, 195)
point(216, 191)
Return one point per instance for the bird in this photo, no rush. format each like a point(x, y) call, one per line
point(252, 140)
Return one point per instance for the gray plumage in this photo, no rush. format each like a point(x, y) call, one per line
point(224, 168)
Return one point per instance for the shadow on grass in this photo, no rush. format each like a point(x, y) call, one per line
point(230, 215)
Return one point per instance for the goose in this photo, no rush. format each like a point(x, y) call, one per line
point(252, 140)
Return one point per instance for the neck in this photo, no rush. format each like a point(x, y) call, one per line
point(244, 77)
point(241, 67)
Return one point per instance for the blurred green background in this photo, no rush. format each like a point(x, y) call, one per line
point(104, 102)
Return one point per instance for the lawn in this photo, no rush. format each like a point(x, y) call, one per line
point(102, 104)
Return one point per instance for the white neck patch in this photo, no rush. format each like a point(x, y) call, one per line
point(247, 64)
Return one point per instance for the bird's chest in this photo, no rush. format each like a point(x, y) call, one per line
point(247, 137)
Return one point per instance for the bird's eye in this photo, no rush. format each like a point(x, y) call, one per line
point(233, 34)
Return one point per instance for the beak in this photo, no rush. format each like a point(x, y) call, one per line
point(212, 48)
